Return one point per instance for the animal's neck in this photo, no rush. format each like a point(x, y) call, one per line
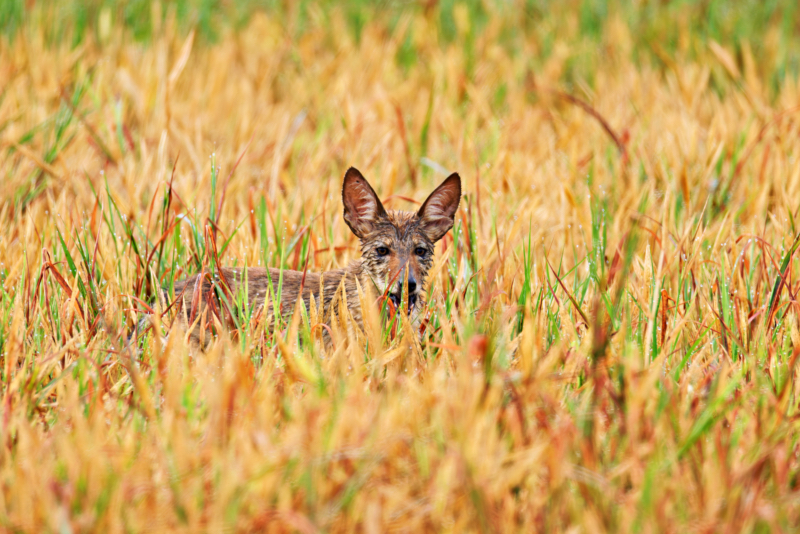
point(355, 267)
point(352, 271)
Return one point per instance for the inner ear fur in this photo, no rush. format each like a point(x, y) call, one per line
point(362, 207)
point(437, 213)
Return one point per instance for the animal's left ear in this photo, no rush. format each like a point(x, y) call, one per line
point(362, 207)
point(438, 211)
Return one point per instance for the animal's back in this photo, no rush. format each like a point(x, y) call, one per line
point(261, 287)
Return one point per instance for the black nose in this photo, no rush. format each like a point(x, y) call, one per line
point(412, 285)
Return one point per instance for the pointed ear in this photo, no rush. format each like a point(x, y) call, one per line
point(362, 207)
point(437, 213)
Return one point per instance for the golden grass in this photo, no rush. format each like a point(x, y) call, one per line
point(673, 409)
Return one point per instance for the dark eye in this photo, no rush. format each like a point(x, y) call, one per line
point(420, 251)
point(382, 251)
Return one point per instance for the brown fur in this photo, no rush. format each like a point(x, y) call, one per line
point(396, 250)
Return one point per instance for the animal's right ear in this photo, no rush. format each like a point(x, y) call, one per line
point(362, 207)
point(437, 214)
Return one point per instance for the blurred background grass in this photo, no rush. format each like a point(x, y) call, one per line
point(658, 28)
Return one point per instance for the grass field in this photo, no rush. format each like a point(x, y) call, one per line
point(614, 322)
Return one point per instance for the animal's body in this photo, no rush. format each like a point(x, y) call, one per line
point(397, 250)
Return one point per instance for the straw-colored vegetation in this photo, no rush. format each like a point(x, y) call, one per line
point(614, 327)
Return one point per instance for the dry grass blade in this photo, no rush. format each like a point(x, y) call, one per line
point(597, 116)
point(569, 295)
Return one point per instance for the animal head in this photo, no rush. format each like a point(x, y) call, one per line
point(397, 246)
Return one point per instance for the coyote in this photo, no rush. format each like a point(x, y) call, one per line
point(397, 250)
